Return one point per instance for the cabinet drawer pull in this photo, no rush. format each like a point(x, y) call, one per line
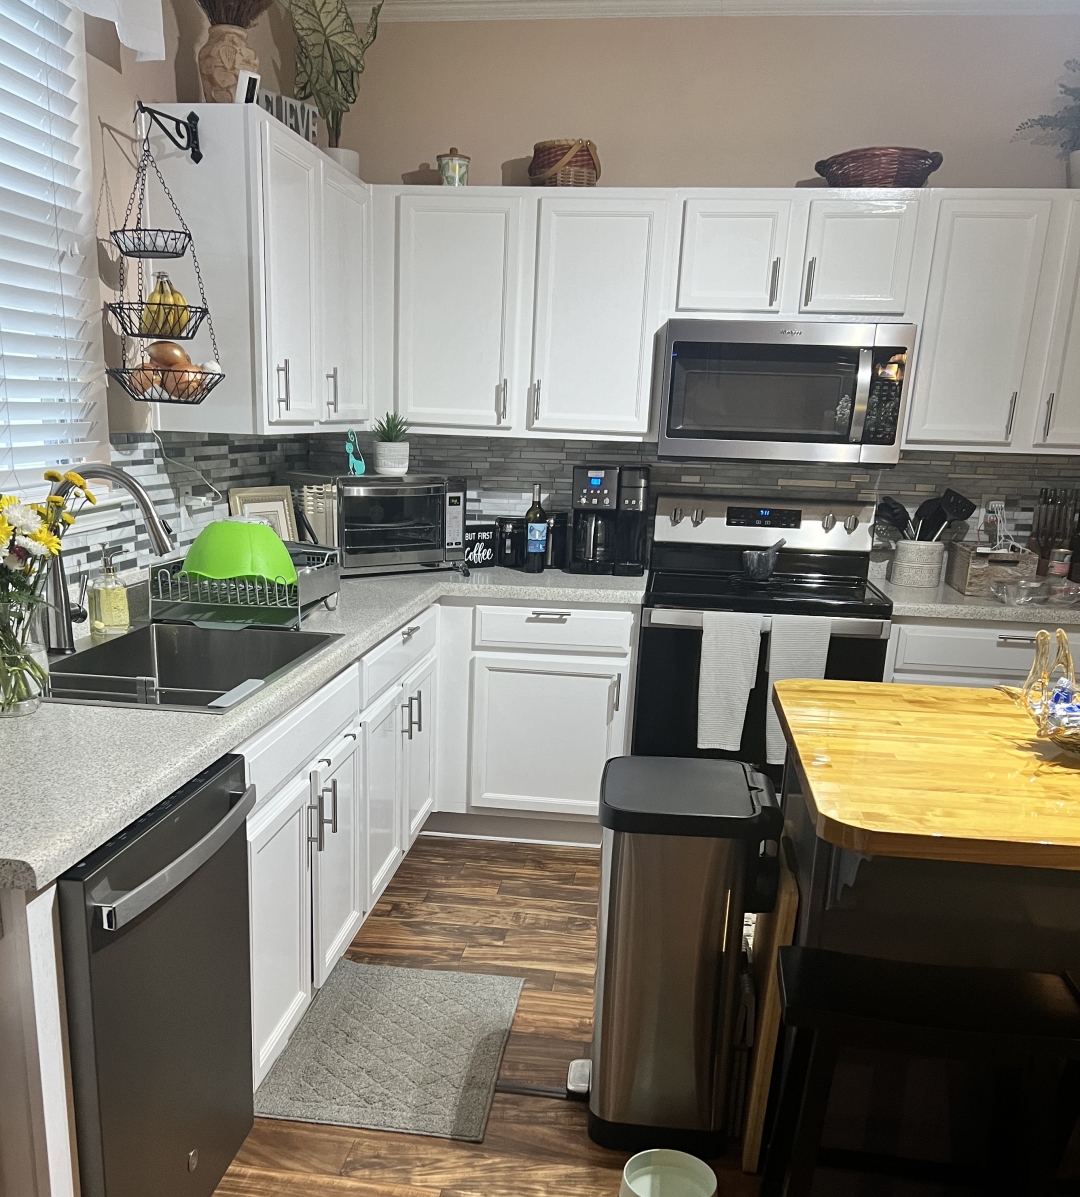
point(419, 710)
point(408, 633)
point(500, 402)
point(283, 377)
point(618, 690)
point(333, 400)
point(410, 723)
point(1012, 413)
point(774, 281)
point(1049, 415)
point(551, 614)
point(811, 267)
point(1016, 640)
point(536, 400)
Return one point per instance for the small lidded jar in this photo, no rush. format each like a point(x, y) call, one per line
point(454, 168)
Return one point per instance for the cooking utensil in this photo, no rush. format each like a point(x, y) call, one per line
point(759, 563)
point(954, 506)
point(927, 511)
point(895, 515)
point(232, 549)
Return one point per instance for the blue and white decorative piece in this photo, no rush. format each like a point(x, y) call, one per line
point(357, 465)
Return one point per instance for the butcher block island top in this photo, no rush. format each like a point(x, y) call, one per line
point(933, 772)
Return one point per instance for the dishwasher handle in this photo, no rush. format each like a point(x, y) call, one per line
point(119, 907)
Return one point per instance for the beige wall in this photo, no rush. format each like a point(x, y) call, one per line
point(723, 101)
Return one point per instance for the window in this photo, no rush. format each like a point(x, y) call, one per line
point(50, 364)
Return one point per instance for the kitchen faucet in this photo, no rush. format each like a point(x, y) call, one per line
point(59, 635)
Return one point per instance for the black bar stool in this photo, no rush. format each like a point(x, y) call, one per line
point(833, 1000)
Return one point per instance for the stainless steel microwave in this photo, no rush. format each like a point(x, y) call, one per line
point(384, 524)
point(774, 390)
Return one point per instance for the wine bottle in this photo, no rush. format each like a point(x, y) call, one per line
point(536, 534)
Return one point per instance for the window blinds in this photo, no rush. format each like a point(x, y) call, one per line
point(46, 294)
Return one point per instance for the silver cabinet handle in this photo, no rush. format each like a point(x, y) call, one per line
point(618, 690)
point(1049, 415)
point(419, 710)
point(500, 402)
point(552, 614)
point(283, 376)
point(333, 402)
point(407, 730)
point(410, 632)
point(811, 268)
point(774, 281)
point(333, 805)
point(1016, 640)
point(536, 400)
point(121, 906)
point(1012, 412)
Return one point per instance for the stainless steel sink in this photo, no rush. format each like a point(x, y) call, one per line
point(181, 666)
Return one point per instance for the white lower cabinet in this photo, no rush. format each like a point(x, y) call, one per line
point(280, 889)
point(418, 744)
point(542, 728)
point(963, 653)
point(382, 729)
point(338, 864)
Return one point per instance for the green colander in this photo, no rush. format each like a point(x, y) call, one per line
point(228, 549)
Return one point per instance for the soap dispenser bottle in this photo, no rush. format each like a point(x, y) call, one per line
point(108, 601)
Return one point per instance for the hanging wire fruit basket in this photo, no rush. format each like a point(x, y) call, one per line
point(161, 372)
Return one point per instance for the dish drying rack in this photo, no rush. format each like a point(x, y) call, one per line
point(179, 597)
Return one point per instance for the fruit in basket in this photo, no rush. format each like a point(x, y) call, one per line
point(167, 355)
point(143, 377)
point(180, 384)
point(166, 309)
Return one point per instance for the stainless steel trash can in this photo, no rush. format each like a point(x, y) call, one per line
point(689, 846)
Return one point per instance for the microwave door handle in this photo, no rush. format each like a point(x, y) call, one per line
point(862, 395)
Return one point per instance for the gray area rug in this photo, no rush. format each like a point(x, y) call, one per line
point(397, 1049)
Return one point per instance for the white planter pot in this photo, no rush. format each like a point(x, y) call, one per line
point(347, 159)
point(391, 457)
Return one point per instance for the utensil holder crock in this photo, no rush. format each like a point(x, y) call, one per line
point(917, 563)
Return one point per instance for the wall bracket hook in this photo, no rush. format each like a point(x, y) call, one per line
point(184, 133)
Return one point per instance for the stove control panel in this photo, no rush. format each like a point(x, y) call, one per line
point(764, 517)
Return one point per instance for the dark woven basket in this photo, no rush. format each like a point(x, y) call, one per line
point(147, 384)
point(566, 162)
point(880, 166)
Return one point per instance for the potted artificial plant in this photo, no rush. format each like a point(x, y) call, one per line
point(1061, 128)
point(329, 63)
point(391, 447)
point(226, 52)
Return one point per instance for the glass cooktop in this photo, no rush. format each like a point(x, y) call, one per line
point(784, 594)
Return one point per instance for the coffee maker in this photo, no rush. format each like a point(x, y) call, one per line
point(631, 522)
point(594, 518)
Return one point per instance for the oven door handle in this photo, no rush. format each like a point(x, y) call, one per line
point(863, 629)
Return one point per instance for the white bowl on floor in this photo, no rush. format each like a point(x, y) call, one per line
point(663, 1173)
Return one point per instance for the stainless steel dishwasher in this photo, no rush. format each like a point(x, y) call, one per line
point(154, 927)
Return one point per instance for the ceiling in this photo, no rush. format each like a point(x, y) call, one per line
point(531, 10)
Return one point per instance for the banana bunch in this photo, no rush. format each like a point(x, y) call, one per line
point(165, 311)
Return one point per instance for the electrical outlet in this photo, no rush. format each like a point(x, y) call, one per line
point(190, 503)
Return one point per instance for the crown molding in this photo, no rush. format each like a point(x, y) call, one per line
point(542, 10)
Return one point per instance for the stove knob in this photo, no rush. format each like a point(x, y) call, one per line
point(851, 523)
point(828, 521)
point(697, 517)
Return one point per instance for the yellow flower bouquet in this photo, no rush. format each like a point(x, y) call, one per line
point(30, 535)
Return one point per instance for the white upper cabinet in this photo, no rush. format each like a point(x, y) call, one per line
point(733, 254)
point(291, 288)
point(597, 308)
point(1057, 404)
point(988, 256)
point(457, 313)
point(346, 300)
point(858, 256)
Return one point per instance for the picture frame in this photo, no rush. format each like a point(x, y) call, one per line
point(271, 505)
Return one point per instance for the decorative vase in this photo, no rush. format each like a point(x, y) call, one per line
point(1072, 169)
point(221, 60)
point(917, 563)
point(24, 662)
point(391, 457)
point(347, 159)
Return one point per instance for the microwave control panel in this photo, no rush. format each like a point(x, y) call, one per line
point(455, 520)
point(764, 517)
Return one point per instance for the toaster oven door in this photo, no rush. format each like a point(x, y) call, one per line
point(388, 527)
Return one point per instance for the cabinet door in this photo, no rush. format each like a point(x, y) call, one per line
point(382, 769)
point(597, 297)
point(542, 729)
point(733, 255)
point(291, 291)
point(987, 261)
point(458, 264)
point(337, 868)
point(418, 716)
point(346, 301)
point(280, 889)
point(1058, 417)
point(858, 256)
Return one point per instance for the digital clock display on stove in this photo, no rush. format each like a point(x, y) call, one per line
point(763, 517)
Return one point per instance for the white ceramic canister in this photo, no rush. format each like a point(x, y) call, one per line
point(917, 563)
point(391, 457)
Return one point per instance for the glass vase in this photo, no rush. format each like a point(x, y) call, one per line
point(24, 662)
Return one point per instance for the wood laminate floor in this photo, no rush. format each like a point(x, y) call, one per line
point(482, 907)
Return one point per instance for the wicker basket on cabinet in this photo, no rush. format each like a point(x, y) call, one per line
point(564, 162)
point(880, 166)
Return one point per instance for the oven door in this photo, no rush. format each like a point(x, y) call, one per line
point(391, 527)
point(669, 658)
point(798, 392)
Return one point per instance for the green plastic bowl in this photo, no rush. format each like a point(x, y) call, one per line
point(227, 549)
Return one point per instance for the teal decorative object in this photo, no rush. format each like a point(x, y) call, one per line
point(357, 465)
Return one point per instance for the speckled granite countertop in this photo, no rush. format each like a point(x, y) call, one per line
point(75, 775)
point(915, 602)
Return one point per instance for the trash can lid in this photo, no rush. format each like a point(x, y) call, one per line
point(674, 795)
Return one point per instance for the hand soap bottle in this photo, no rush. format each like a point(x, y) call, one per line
point(108, 602)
